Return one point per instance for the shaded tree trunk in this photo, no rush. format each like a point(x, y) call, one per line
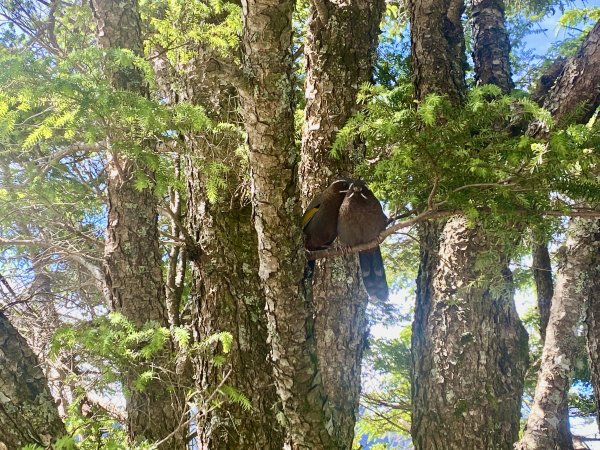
point(340, 48)
point(438, 48)
point(592, 324)
point(491, 47)
point(572, 289)
point(226, 290)
point(468, 344)
point(573, 97)
point(544, 285)
point(28, 414)
point(267, 109)
point(132, 258)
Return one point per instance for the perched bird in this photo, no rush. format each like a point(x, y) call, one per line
point(320, 219)
point(360, 220)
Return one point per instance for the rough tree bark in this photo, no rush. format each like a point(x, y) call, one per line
point(340, 48)
point(573, 97)
point(28, 414)
point(267, 109)
point(470, 347)
point(491, 47)
point(132, 258)
point(572, 288)
point(542, 275)
point(438, 48)
point(225, 288)
point(468, 344)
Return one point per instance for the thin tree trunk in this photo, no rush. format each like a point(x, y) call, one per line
point(340, 49)
point(28, 414)
point(132, 258)
point(267, 109)
point(542, 275)
point(572, 289)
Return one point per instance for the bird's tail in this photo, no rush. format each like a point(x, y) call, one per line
point(373, 273)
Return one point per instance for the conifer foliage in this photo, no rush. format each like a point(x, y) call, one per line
point(154, 159)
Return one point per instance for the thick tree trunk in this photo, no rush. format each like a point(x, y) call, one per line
point(470, 349)
point(438, 48)
point(491, 47)
point(574, 97)
point(28, 414)
point(468, 345)
point(572, 288)
point(267, 106)
point(340, 49)
point(132, 258)
point(225, 289)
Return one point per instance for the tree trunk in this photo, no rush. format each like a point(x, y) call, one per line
point(574, 96)
point(572, 288)
point(340, 48)
point(438, 48)
point(542, 274)
point(227, 296)
point(28, 414)
point(544, 285)
point(592, 325)
point(267, 109)
point(470, 349)
point(132, 258)
point(491, 47)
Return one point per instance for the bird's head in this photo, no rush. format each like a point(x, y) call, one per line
point(357, 187)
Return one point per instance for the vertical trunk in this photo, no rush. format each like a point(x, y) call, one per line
point(574, 96)
point(470, 348)
point(542, 275)
point(572, 289)
point(28, 414)
point(268, 118)
point(340, 48)
point(438, 48)
point(132, 258)
point(592, 325)
point(225, 290)
point(491, 46)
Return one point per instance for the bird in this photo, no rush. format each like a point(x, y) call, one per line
point(360, 220)
point(319, 222)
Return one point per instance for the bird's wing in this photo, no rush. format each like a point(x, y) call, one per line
point(311, 209)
